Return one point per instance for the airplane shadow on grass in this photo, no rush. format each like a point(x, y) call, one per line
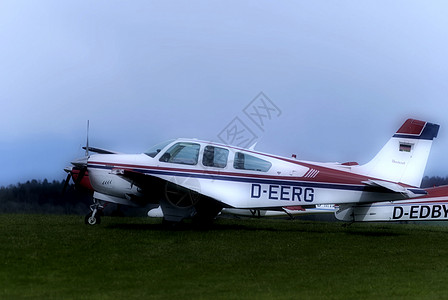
point(379, 233)
point(391, 230)
point(269, 227)
point(189, 227)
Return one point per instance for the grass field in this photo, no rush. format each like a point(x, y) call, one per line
point(58, 257)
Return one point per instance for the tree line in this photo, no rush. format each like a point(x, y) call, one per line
point(46, 197)
point(434, 181)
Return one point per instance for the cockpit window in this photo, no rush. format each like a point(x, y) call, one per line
point(244, 161)
point(182, 153)
point(215, 157)
point(154, 150)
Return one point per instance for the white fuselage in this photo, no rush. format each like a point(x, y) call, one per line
point(287, 182)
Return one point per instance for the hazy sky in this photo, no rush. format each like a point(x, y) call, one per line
point(344, 75)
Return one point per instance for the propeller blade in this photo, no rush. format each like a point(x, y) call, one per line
point(66, 183)
point(87, 142)
point(81, 174)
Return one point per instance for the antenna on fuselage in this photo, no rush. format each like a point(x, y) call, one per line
point(252, 148)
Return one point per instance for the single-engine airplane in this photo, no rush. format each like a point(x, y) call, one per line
point(196, 179)
point(430, 207)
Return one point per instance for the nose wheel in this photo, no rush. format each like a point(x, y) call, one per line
point(93, 217)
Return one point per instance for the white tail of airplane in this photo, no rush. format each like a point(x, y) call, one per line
point(403, 159)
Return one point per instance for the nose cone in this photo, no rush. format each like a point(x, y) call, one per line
point(80, 174)
point(81, 179)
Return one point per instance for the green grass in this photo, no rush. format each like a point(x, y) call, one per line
point(58, 257)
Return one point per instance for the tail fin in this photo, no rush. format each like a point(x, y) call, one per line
point(403, 159)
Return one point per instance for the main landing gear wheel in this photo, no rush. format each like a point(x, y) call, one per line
point(91, 219)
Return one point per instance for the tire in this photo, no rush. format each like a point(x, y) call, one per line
point(89, 220)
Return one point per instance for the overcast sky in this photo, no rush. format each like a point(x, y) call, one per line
point(343, 75)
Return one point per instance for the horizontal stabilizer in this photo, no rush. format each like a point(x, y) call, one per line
point(396, 188)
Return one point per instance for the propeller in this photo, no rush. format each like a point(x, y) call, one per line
point(79, 164)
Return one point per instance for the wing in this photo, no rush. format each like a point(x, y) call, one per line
point(178, 200)
point(100, 150)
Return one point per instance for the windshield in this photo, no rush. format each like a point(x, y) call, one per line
point(154, 150)
point(182, 153)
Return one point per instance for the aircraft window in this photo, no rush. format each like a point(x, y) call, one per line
point(215, 157)
point(154, 150)
point(182, 153)
point(244, 161)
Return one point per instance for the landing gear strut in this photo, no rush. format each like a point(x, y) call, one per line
point(93, 217)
